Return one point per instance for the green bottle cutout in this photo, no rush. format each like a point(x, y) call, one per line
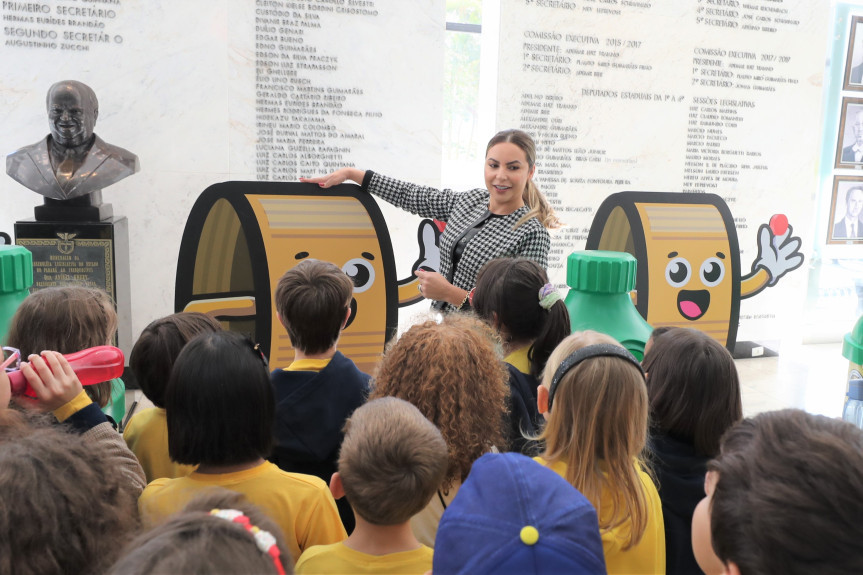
point(852, 350)
point(16, 277)
point(600, 283)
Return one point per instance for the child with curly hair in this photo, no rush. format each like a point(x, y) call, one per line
point(451, 371)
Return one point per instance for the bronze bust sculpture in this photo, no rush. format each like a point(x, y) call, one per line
point(72, 161)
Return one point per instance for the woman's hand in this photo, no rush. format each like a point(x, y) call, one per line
point(340, 176)
point(434, 286)
point(52, 379)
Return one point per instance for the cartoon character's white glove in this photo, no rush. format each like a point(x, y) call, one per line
point(777, 254)
point(429, 258)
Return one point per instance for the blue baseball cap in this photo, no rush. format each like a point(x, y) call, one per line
point(512, 515)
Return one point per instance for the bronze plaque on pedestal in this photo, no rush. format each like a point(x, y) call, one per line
point(91, 254)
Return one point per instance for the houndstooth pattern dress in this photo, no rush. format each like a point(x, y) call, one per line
point(460, 211)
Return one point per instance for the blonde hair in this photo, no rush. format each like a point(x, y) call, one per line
point(391, 462)
point(598, 428)
point(533, 198)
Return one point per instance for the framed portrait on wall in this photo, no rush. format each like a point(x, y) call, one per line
point(854, 58)
point(846, 211)
point(849, 146)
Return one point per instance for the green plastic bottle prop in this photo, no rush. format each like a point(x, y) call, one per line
point(600, 283)
point(16, 277)
point(852, 350)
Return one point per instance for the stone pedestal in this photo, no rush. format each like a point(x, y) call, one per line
point(88, 208)
point(93, 254)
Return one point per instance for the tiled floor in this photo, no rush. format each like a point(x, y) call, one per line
point(810, 377)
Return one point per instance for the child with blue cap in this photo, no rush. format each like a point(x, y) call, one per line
point(512, 515)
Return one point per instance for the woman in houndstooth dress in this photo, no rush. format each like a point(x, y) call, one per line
point(510, 217)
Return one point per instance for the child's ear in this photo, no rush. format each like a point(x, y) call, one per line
point(336, 487)
point(347, 317)
point(281, 321)
point(731, 568)
point(542, 399)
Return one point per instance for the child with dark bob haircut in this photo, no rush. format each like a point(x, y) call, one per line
point(785, 495)
point(151, 361)
point(217, 532)
point(320, 389)
point(694, 395)
point(391, 463)
point(219, 405)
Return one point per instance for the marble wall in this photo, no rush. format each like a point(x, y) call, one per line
point(191, 88)
point(712, 96)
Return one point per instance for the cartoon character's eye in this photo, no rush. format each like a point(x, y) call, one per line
point(712, 271)
point(677, 272)
point(361, 273)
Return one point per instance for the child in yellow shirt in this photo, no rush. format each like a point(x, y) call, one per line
point(392, 461)
point(220, 411)
point(595, 398)
point(151, 361)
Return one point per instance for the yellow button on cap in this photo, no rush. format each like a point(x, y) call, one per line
point(529, 535)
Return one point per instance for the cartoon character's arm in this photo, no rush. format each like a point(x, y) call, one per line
point(429, 259)
point(224, 307)
point(778, 254)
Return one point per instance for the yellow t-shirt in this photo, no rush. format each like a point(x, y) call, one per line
point(308, 365)
point(518, 359)
point(300, 504)
point(340, 559)
point(147, 437)
point(646, 557)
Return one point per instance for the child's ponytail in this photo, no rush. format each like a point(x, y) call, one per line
point(554, 329)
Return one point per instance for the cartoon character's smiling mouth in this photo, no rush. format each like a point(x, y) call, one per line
point(693, 304)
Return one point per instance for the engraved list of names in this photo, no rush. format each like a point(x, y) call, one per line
point(319, 97)
point(702, 96)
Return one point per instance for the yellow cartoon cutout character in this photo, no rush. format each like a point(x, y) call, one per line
point(241, 237)
point(689, 259)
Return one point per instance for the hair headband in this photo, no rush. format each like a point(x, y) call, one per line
point(597, 350)
point(265, 540)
